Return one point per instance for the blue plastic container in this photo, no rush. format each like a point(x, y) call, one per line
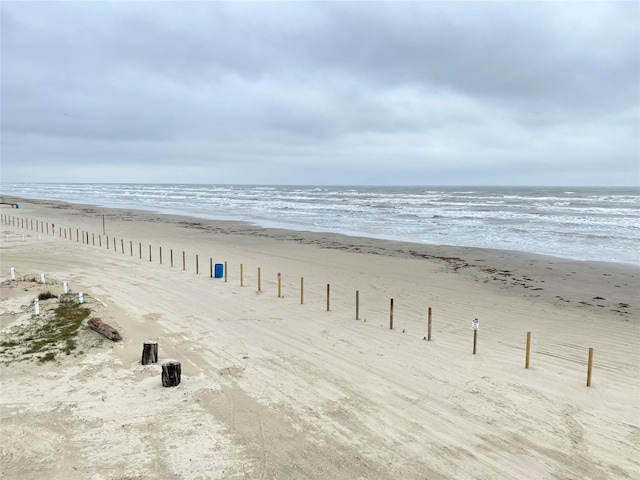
point(218, 271)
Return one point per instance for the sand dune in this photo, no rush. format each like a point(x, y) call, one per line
point(275, 388)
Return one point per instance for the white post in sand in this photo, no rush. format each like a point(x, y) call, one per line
point(36, 306)
point(65, 287)
point(13, 273)
point(42, 280)
point(81, 297)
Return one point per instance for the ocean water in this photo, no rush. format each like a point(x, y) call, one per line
point(581, 223)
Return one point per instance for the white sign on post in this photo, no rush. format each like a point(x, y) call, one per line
point(475, 324)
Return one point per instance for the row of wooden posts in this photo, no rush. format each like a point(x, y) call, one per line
point(85, 239)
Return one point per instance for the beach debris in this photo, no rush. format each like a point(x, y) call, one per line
point(171, 371)
point(104, 329)
point(149, 352)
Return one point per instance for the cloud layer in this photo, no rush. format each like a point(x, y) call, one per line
point(321, 92)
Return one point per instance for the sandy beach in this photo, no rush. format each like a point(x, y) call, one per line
point(294, 386)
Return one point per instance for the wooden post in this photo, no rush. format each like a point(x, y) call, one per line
point(171, 374)
point(115, 247)
point(259, 280)
point(100, 240)
point(357, 304)
point(197, 265)
point(131, 247)
point(301, 290)
point(279, 285)
point(589, 366)
point(140, 248)
point(171, 257)
point(210, 267)
point(70, 234)
point(241, 275)
point(149, 252)
point(475, 340)
point(122, 245)
point(391, 315)
point(225, 271)
point(526, 359)
point(160, 254)
point(183, 261)
point(93, 239)
point(107, 237)
point(429, 325)
point(328, 296)
point(149, 352)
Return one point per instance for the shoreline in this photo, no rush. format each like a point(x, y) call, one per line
point(510, 270)
point(274, 387)
point(276, 228)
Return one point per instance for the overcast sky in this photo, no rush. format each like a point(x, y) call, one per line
point(340, 93)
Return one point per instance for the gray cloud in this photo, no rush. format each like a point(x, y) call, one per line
point(321, 92)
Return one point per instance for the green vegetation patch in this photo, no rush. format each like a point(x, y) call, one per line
point(46, 296)
point(47, 338)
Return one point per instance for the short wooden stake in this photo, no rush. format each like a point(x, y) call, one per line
point(115, 246)
point(100, 240)
point(357, 304)
point(160, 254)
point(131, 247)
point(526, 359)
point(328, 296)
point(149, 252)
point(589, 367)
point(301, 290)
point(107, 238)
point(171, 374)
point(149, 352)
point(93, 239)
point(122, 245)
point(475, 340)
point(140, 248)
point(183, 261)
point(259, 280)
point(429, 325)
point(241, 275)
point(279, 285)
point(225, 271)
point(171, 258)
point(70, 234)
point(210, 267)
point(197, 265)
point(391, 315)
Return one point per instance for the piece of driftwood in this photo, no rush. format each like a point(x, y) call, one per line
point(171, 374)
point(149, 352)
point(104, 329)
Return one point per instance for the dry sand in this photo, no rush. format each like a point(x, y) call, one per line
point(272, 388)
